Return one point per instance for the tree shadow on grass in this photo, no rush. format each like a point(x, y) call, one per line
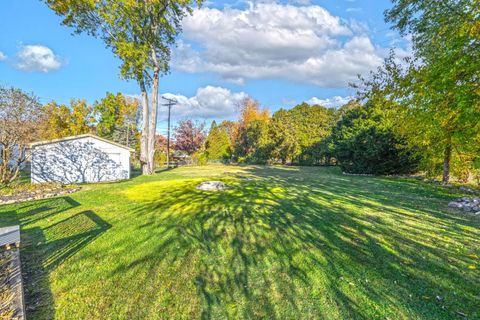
point(46, 247)
point(286, 245)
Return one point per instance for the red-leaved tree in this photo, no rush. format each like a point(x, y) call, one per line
point(189, 136)
point(161, 144)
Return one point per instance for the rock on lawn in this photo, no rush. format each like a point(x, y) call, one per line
point(212, 186)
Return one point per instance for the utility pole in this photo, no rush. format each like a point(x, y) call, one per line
point(170, 103)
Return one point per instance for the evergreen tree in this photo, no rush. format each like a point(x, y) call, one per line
point(257, 143)
point(218, 146)
point(363, 143)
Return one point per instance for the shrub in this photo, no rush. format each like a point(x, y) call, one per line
point(364, 144)
point(199, 158)
point(375, 151)
point(160, 159)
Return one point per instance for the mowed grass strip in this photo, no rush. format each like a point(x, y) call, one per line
point(281, 243)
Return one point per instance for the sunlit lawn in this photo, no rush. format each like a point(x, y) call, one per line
point(288, 243)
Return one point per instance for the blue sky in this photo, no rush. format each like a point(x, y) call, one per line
point(280, 53)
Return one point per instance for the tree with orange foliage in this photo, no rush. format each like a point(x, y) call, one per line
point(252, 138)
point(60, 120)
point(250, 111)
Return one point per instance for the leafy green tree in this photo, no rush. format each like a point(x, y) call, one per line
point(55, 121)
point(321, 152)
point(117, 118)
point(439, 92)
point(231, 128)
point(218, 146)
point(246, 133)
point(108, 112)
point(82, 117)
point(298, 132)
point(140, 33)
point(312, 123)
point(286, 146)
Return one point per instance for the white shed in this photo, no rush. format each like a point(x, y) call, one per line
point(79, 159)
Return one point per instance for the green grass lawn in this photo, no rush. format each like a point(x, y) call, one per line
point(289, 243)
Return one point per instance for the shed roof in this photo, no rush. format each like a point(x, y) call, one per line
point(87, 135)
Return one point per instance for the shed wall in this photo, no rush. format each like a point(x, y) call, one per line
point(78, 161)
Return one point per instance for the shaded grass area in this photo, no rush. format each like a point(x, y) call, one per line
point(7, 293)
point(287, 243)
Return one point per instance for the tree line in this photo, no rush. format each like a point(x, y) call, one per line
point(429, 101)
point(416, 113)
point(373, 136)
point(356, 136)
point(114, 117)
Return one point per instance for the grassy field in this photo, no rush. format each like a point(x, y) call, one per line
point(286, 243)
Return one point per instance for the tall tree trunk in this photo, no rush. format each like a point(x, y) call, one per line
point(144, 137)
point(446, 160)
point(153, 122)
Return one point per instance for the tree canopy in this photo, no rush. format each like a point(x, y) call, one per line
point(189, 136)
point(117, 118)
point(60, 120)
point(436, 93)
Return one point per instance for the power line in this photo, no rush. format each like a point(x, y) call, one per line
point(170, 103)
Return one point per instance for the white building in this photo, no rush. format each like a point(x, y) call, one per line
point(79, 159)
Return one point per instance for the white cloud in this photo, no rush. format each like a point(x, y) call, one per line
point(276, 41)
point(208, 103)
point(37, 58)
point(334, 102)
point(2, 56)
point(302, 2)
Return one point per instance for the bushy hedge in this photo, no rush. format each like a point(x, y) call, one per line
point(364, 144)
point(374, 151)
